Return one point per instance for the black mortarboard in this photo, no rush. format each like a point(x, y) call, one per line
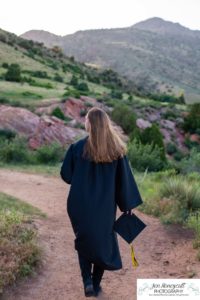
point(128, 226)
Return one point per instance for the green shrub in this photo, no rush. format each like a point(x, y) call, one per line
point(116, 94)
point(171, 148)
point(167, 98)
point(31, 95)
point(194, 176)
point(88, 104)
point(130, 98)
point(57, 112)
point(124, 117)
point(74, 81)
point(4, 100)
point(182, 198)
point(38, 74)
point(58, 78)
point(135, 134)
point(193, 222)
point(153, 135)
point(7, 134)
point(5, 65)
point(163, 174)
point(13, 73)
point(49, 154)
point(191, 163)
point(170, 114)
point(82, 86)
point(111, 79)
point(93, 78)
point(20, 252)
point(54, 65)
point(74, 68)
point(178, 155)
point(192, 121)
point(144, 157)
point(47, 85)
point(14, 151)
point(72, 93)
point(83, 112)
point(189, 143)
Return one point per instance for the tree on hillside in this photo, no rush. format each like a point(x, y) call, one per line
point(82, 86)
point(116, 94)
point(192, 121)
point(13, 73)
point(145, 156)
point(74, 81)
point(124, 117)
point(153, 135)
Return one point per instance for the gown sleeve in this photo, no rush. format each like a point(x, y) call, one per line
point(127, 193)
point(67, 167)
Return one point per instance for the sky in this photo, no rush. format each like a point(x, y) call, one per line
point(68, 16)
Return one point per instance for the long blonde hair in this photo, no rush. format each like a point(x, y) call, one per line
point(104, 143)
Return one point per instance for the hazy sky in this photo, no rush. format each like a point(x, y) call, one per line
point(63, 16)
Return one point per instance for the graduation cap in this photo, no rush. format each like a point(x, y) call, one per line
point(129, 226)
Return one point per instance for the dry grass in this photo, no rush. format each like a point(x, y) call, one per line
point(19, 249)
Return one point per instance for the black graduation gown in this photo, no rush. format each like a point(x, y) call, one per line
point(95, 192)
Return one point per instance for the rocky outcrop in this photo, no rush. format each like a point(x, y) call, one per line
point(18, 119)
point(51, 129)
point(73, 108)
point(39, 129)
point(45, 129)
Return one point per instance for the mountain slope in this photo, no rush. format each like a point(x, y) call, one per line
point(41, 36)
point(158, 55)
point(158, 25)
point(45, 73)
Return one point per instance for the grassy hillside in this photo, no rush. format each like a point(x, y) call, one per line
point(159, 56)
point(45, 73)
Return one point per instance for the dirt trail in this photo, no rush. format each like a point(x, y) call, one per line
point(162, 252)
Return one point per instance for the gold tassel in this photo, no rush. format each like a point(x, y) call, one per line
point(134, 261)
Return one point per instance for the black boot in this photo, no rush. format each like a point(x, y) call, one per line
point(89, 290)
point(86, 267)
point(96, 278)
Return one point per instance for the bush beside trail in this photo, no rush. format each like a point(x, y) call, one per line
point(16, 150)
point(20, 251)
point(173, 198)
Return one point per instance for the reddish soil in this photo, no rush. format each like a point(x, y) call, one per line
point(162, 251)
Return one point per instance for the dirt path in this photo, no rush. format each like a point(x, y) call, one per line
point(162, 252)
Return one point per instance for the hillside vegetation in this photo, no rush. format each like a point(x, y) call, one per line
point(47, 73)
point(158, 56)
point(20, 250)
point(31, 74)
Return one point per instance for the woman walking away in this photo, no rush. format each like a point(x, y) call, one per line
point(101, 179)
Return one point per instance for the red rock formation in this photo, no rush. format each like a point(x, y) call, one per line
point(18, 119)
point(39, 130)
point(52, 129)
point(72, 107)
